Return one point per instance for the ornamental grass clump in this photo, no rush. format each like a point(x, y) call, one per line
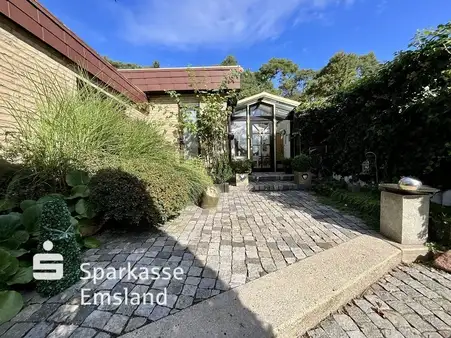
point(56, 227)
point(86, 128)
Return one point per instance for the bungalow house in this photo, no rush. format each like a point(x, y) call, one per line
point(32, 40)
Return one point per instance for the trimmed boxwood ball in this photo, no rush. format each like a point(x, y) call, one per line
point(120, 196)
point(55, 225)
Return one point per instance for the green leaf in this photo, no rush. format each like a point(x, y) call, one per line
point(81, 207)
point(49, 197)
point(91, 243)
point(21, 236)
point(26, 204)
point(9, 224)
point(79, 191)
point(8, 265)
point(73, 221)
point(24, 275)
point(6, 204)
point(17, 253)
point(31, 216)
point(10, 304)
point(77, 177)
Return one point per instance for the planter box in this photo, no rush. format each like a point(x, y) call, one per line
point(304, 179)
point(222, 187)
point(241, 180)
point(210, 198)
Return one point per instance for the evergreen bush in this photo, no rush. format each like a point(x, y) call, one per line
point(301, 163)
point(121, 197)
point(55, 226)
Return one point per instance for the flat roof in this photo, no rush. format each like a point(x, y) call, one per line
point(184, 78)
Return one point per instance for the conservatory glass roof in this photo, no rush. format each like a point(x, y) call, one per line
point(283, 105)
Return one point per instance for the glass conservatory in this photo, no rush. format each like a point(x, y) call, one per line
point(261, 130)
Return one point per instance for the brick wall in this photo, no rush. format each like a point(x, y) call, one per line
point(23, 57)
point(164, 111)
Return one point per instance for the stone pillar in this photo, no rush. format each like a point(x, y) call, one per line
point(404, 218)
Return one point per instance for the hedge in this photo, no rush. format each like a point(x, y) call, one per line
point(402, 113)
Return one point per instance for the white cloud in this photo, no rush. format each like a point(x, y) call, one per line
point(213, 23)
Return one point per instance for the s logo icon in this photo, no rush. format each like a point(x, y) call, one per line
point(45, 266)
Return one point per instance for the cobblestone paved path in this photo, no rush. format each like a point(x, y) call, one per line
point(248, 235)
point(410, 301)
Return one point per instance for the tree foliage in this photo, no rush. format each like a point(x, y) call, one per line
point(127, 65)
point(230, 60)
point(402, 112)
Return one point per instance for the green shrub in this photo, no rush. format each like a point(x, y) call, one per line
point(55, 225)
point(167, 187)
point(242, 166)
point(440, 224)
point(301, 163)
point(121, 197)
point(88, 130)
point(197, 177)
point(222, 171)
point(7, 172)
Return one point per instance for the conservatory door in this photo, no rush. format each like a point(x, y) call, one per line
point(261, 145)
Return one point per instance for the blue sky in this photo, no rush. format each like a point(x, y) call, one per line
point(203, 32)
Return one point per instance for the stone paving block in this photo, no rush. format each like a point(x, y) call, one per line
point(26, 313)
point(159, 312)
point(18, 330)
point(102, 335)
point(83, 332)
point(207, 283)
point(62, 331)
point(184, 301)
point(126, 309)
point(41, 330)
point(97, 319)
point(116, 324)
point(65, 314)
point(345, 322)
point(144, 310)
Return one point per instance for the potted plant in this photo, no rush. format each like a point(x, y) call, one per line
point(242, 169)
point(221, 174)
point(301, 166)
point(287, 165)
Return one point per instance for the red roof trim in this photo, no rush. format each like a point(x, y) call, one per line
point(37, 20)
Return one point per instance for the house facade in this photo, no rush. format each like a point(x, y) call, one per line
point(33, 41)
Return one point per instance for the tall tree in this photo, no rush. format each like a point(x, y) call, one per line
point(230, 60)
point(290, 79)
point(342, 70)
point(252, 83)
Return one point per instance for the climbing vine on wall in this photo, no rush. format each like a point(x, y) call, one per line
point(207, 121)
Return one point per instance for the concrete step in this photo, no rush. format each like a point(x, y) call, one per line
point(265, 177)
point(288, 302)
point(273, 186)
